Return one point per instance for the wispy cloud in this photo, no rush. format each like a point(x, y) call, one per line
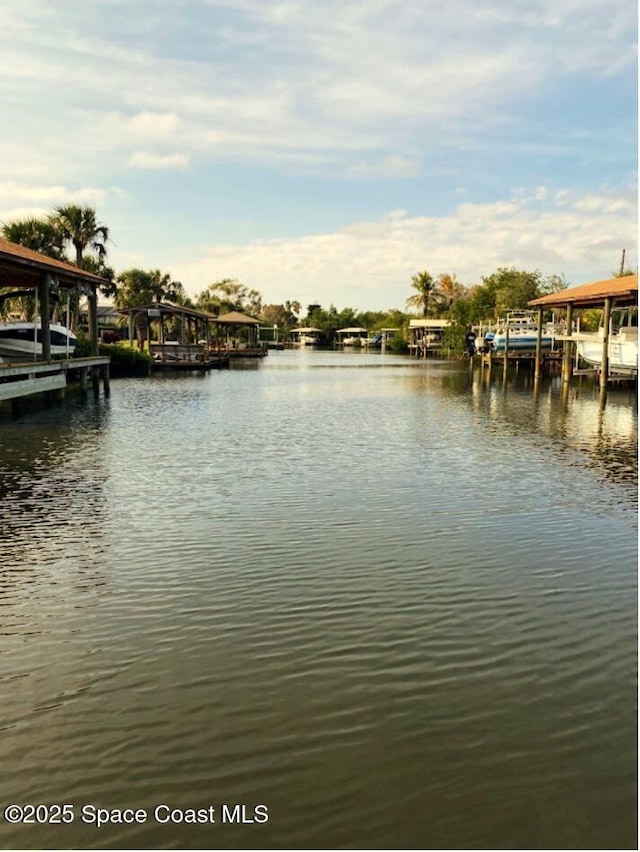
point(145, 160)
point(313, 119)
point(153, 124)
point(397, 77)
point(370, 264)
point(13, 193)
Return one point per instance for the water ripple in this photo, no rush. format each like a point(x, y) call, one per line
point(375, 597)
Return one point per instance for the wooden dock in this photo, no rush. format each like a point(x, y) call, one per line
point(550, 361)
point(172, 356)
point(24, 379)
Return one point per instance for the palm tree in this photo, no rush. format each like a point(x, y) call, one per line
point(79, 226)
point(139, 287)
point(424, 283)
point(35, 234)
point(449, 290)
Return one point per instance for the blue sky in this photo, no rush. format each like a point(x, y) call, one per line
point(327, 151)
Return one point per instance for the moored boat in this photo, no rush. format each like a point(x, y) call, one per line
point(355, 336)
point(622, 349)
point(22, 341)
point(305, 336)
point(521, 330)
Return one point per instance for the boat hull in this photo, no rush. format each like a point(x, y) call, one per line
point(521, 342)
point(622, 351)
point(20, 341)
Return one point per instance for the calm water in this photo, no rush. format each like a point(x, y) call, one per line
point(393, 602)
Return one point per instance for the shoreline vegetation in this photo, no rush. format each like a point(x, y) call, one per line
point(75, 234)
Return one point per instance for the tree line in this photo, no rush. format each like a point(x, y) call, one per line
point(75, 234)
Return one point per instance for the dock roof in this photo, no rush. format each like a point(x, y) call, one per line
point(23, 267)
point(236, 318)
point(623, 290)
point(169, 308)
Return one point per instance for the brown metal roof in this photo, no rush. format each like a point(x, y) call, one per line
point(624, 291)
point(236, 318)
point(170, 308)
point(24, 267)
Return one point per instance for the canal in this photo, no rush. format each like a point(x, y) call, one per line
point(372, 601)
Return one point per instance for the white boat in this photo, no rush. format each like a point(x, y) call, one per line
point(352, 336)
point(22, 341)
point(306, 336)
point(623, 343)
point(522, 330)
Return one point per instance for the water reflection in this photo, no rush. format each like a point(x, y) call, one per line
point(578, 418)
point(53, 474)
point(371, 592)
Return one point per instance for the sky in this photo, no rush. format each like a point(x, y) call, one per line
point(325, 152)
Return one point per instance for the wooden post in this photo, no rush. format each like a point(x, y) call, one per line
point(83, 380)
point(567, 362)
point(43, 297)
point(506, 346)
point(606, 321)
point(92, 301)
point(538, 361)
point(105, 381)
point(95, 380)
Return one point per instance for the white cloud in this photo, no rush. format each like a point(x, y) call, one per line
point(388, 79)
point(153, 124)
point(144, 160)
point(393, 165)
point(417, 105)
point(12, 193)
point(368, 265)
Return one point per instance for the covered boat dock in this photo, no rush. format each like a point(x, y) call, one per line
point(177, 337)
point(426, 335)
point(242, 335)
point(620, 291)
point(27, 272)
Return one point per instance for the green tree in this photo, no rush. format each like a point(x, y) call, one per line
point(229, 295)
point(36, 234)
point(425, 284)
point(460, 314)
point(279, 315)
point(137, 287)
point(97, 266)
point(80, 227)
point(293, 307)
point(552, 284)
point(513, 288)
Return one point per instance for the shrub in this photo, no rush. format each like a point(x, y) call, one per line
point(83, 346)
point(125, 360)
point(398, 345)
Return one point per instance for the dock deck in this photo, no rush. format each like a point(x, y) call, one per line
point(26, 378)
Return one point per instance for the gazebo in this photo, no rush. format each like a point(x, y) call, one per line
point(249, 347)
point(176, 336)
